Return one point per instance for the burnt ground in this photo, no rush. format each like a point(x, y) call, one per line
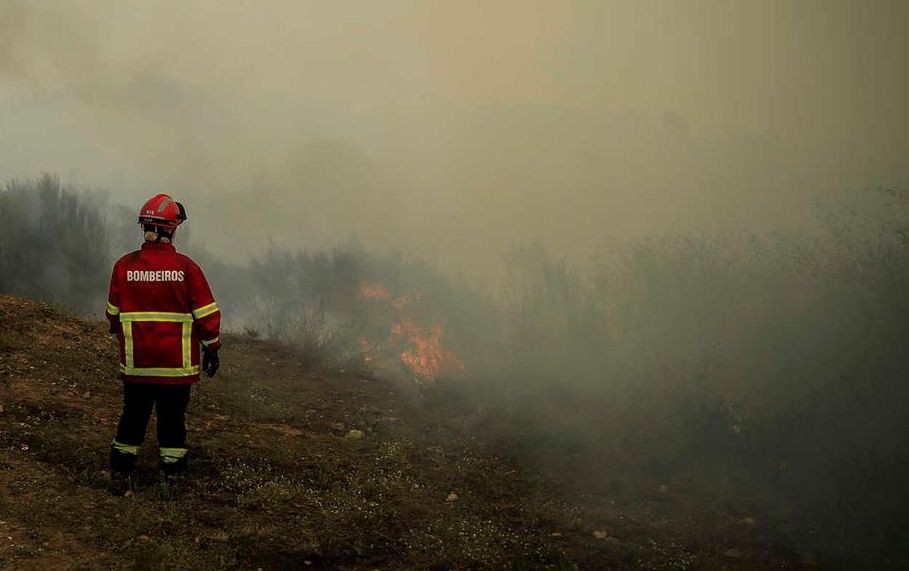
point(276, 481)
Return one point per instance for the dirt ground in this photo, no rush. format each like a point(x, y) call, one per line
point(278, 480)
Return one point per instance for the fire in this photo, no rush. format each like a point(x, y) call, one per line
point(423, 353)
point(367, 349)
point(425, 356)
point(374, 291)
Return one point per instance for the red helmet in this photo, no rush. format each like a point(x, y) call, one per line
point(161, 210)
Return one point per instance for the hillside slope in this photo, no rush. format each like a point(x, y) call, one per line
point(276, 481)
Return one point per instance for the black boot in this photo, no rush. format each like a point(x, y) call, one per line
point(121, 484)
point(173, 481)
point(122, 465)
point(173, 467)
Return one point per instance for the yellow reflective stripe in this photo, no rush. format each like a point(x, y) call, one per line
point(210, 341)
point(174, 453)
point(160, 371)
point(156, 316)
point(113, 309)
point(128, 343)
point(127, 448)
point(186, 343)
point(186, 319)
point(206, 310)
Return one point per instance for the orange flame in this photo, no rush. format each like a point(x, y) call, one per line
point(425, 356)
point(374, 291)
point(423, 353)
point(367, 349)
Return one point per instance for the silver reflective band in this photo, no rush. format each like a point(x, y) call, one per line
point(210, 341)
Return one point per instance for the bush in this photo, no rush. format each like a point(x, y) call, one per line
point(54, 244)
point(772, 364)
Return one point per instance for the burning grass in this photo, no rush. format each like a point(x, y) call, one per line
point(419, 348)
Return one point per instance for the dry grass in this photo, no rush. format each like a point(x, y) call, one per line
point(275, 484)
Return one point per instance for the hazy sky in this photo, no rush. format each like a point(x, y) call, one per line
point(456, 128)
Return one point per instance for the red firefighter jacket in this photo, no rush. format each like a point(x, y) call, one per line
point(161, 308)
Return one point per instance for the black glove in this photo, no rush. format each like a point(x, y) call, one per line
point(210, 362)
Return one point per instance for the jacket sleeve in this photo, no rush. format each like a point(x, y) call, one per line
point(205, 310)
point(113, 301)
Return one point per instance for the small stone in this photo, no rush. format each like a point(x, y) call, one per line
point(144, 538)
point(87, 395)
point(355, 434)
point(663, 488)
point(339, 426)
point(747, 521)
point(24, 448)
point(600, 534)
point(733, 553)
point(555, 534)
point(452, 497)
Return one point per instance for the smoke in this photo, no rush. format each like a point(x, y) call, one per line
point(640, 178)
point(456, 130)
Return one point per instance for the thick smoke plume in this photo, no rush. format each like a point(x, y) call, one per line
point(666, 242)
point(456, 130)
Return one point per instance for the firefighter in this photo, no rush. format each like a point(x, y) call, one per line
point(166, 320)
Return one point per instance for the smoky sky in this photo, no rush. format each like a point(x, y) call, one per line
point(455, 129)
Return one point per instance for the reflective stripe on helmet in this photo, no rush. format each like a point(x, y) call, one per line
point(162, 210)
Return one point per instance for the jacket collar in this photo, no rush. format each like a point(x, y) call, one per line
point(158, 246)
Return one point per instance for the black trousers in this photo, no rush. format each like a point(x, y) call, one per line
point(170, 401)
